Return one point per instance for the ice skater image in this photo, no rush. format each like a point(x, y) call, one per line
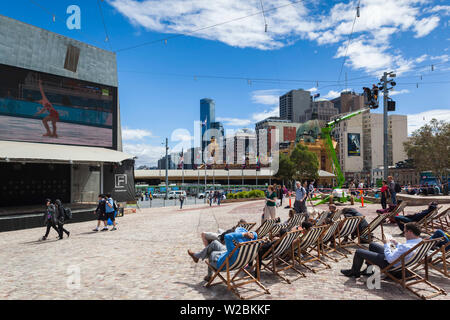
point(53, 116)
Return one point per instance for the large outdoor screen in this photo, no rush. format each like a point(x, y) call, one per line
point(40, 107)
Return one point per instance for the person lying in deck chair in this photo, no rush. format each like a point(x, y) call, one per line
point(217, 252)
point(382, 256)
point(441, 234)
point(416, 216)
point(208, 237)
point(352, 212)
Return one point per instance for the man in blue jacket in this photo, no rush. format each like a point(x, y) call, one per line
point(216, 252)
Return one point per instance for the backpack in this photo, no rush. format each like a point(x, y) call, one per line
point(397, 187)
point(68, 213)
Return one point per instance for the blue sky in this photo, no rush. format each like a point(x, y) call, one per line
point(160, 84)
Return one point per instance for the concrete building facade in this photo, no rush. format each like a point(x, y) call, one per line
point(294, 104)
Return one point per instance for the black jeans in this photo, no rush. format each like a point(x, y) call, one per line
point(51, 224)
point(62, 230)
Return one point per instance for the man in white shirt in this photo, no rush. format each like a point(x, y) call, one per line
point(382, 256)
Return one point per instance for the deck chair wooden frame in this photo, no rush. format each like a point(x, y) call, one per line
point(378, 222)
point(307, 244)
point(439, 260)
point(346, 228)
point(420, 254)
point(440, 221)
point(265, 227)
point(275, 256)
point(247, 226)
point(246, 252)
point(328, 242)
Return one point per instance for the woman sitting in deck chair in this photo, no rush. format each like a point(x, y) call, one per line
point(216, 252)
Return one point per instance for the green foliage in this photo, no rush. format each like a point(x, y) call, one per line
point(247, 194)
point(429, 148)
point(286, 169)
point(306, 164)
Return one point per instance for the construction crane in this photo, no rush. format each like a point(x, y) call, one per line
point(326, 135)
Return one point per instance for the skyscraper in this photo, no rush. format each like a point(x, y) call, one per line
point(294, 104)
point(207, 117)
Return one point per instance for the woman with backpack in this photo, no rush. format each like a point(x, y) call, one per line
point(60, 218)
point(50, 218)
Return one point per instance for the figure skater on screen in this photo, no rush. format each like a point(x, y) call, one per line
point(53, 116)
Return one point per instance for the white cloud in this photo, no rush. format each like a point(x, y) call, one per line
point(274, 112)
point(267, 97)
point(371, 49)
point(415, 121)
point(395, 92)
point(425, 26)
point(334, 94)
point(234, 122)
point(136, 134)
point(146, 154)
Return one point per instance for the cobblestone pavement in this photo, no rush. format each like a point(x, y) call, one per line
point(146, 259)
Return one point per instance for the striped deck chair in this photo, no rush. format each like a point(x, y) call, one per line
point(336, 216)
point(425, 222)
point(328, 242)
point(247, 226)
point(322, 218)
point(307, 243)
point(441, 220)
point(346, 228)
point(420, 254)
point(265, 228)
point(247, 252)
point(440, 259)
point(275, 253)
point(296, 220)
point(378, 222)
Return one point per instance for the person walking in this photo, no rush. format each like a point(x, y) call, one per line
point(60, 218)
point(110, 210)
point(300, 198)
point(271, 203)
point(391, 186)
point(101, 213)
point(280, 195)
point(50, 218)
point(181, 200)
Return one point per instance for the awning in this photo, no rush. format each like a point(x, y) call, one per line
point(325, 174)
point(42, 152)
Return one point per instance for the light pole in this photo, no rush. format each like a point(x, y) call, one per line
point(167, 168)
point(385, 82)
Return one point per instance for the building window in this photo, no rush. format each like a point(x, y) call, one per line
point(72, 57)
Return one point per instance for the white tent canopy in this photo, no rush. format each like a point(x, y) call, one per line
point(42, 152)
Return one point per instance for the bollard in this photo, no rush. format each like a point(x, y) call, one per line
point(352, 200)
point(290, 204)
point(331, 199)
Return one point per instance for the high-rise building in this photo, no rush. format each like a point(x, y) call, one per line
point(294, 104)
point(219, 127)
point(320, 110)
point(348, 102)
point(207, 117)
point(360, 143)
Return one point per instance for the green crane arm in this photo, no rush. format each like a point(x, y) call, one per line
point(326, 132)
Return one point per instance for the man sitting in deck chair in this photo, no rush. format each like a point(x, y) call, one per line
point(441, 234)
point(216, 252)
point(382, 256)
point(401, 220)
point(208, 237)
point(332, 210)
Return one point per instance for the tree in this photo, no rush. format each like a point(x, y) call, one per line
point(429, 148)
point(306, 164)
point(286, 168)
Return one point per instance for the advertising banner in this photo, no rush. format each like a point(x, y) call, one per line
point(354, 144)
